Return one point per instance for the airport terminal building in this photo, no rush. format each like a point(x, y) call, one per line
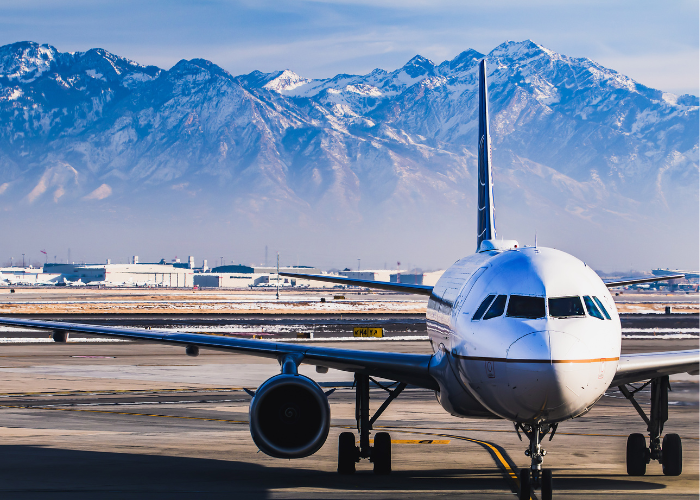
point(134, 274)
point(239, 276)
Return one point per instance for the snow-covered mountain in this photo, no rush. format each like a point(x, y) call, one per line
point(579, 150)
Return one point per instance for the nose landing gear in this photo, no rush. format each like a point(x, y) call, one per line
point(535, 476)
point(669, 452)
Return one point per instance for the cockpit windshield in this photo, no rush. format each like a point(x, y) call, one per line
point(592, 308)
point(524, 306)
point(497, 307)
point(529, 307)
point(601, 307)
point(482, 308)
point(565, 307)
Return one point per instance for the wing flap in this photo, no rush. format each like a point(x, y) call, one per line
point(382, 285)
point(643, 366)
point(409, 368)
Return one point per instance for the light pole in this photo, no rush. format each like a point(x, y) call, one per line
point(278, 275)
point(358, 264)
point(22, 260)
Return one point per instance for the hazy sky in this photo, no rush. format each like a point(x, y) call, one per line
point(654, 42)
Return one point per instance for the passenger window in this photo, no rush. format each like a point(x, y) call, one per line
point(482, 308)
point(523, 306)
point(601, 307)
point(565, 307)
point(591, 307)
point(497, 308)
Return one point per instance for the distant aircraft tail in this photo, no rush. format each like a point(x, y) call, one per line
point(486, 222)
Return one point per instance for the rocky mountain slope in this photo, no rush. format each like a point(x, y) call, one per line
point(582, 153)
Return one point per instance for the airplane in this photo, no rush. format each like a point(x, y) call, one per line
point(73, 283)
point(145, 284)
point(526, 334)
point(104, 283)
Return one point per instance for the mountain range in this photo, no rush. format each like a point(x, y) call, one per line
point(112, 155)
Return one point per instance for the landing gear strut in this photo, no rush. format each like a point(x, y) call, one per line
point(535, 476)
point(380, 453)
point(669, 452)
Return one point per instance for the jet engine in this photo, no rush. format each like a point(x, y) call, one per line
point(289, 416)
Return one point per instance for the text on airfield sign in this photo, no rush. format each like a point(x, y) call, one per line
point(368, 332)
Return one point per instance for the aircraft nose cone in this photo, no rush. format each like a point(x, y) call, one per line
point(541, 378)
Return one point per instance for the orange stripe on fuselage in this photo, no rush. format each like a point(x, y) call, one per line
point(507, 360)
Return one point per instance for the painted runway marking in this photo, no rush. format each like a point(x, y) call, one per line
point(499, 454)
point(415, 441)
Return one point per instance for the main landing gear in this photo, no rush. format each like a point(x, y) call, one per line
point(535, 476)
point(380, 453)
point(669, 452)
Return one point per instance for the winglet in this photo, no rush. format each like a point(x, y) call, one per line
point(486, 222)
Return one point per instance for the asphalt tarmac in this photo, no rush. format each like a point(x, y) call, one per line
point(136, 420)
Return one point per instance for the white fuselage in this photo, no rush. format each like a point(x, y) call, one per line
point(548, 367)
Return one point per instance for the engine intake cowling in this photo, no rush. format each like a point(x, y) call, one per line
point(289, 416)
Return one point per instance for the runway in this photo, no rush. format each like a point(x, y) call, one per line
point(143, 420)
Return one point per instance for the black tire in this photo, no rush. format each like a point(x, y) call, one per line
point(672, 455)
point(636, 455)
point(546, 488)
point(524, 484)
point(381, 453)
point(347, 453)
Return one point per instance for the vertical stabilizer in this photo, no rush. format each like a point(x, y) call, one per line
point(486, 223)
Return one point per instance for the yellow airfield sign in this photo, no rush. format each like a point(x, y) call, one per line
point(368, 332)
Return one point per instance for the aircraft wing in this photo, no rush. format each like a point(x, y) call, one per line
point(409, 368)
point(612, 284)
point(643, 366)
point(382, 285)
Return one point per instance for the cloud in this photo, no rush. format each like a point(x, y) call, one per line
point(3, 187)
point(100, 193)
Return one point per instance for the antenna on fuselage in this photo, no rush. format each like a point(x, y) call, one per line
point(486, 219)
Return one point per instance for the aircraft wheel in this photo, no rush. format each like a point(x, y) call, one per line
point(636, 455)
point(381, 454)
point(546, 488)
point(347, 453)
point(524, 484)
point(672, 455)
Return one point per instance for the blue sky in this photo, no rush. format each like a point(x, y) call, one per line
point(656, 43)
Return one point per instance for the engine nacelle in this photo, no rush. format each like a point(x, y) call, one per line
point(289, 416)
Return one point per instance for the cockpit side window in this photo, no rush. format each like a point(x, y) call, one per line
point(565, 307)
point(497, 308)
point(482, 308)
point(592, 308)
point(524, 306)
point(601, 307)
